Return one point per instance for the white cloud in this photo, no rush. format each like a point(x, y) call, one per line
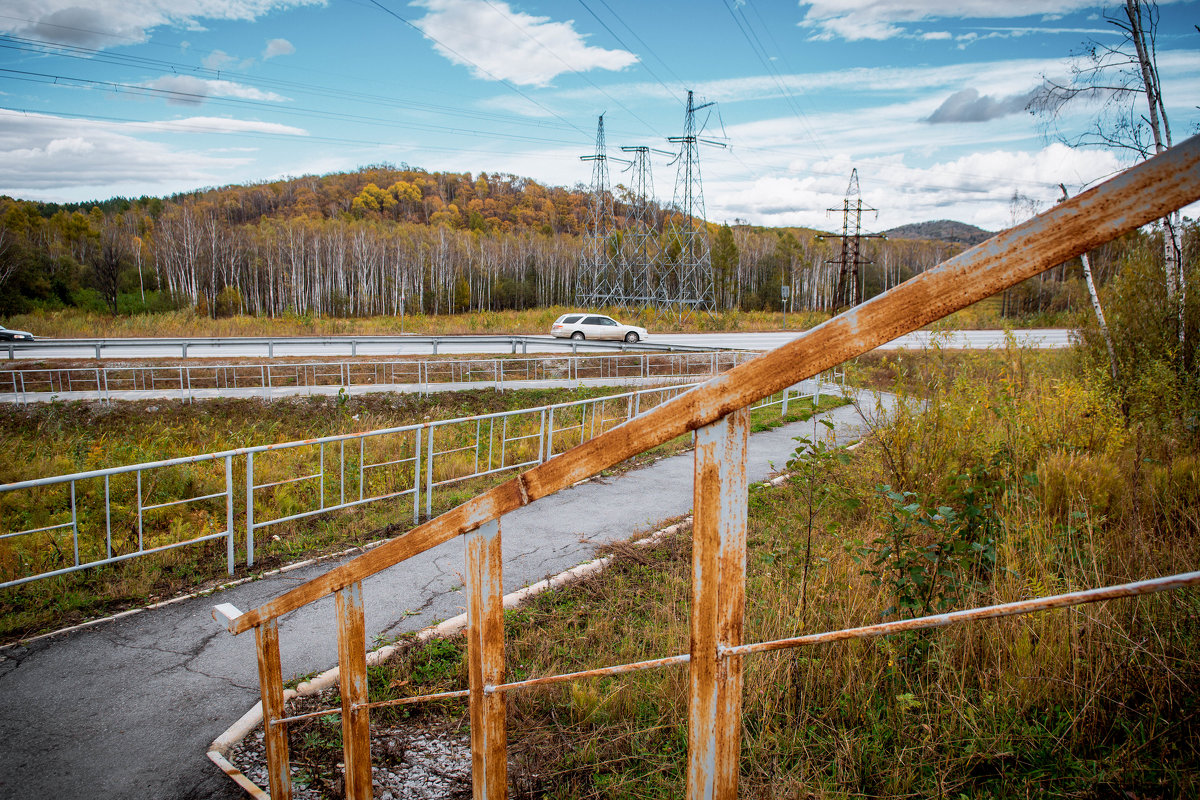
point(110, 23)
point(186, 90)
point(498, 43)
point(1001, 78)
point(215, 125)
point(54, 158)
point(975, 188)
point(968, 105)
point(884, 19)
point(218, 60)
point(278, 47)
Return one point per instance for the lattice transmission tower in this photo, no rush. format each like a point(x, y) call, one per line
point(597, 280)
point(685, 281)
point(849, 285)
point(639, 239)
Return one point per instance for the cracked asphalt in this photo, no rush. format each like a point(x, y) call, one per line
point(127, 708)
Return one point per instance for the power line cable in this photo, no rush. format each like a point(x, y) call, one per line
point(91, 55)
point(234, 102)
point(647, 48)
point(756, 46)
point(192, 127)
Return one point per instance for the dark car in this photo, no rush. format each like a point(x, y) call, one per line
point(9, 335)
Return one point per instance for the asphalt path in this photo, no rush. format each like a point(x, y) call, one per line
point(126, 708)
point(970, 339)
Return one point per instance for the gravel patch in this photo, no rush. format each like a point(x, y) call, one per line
point(417, 759)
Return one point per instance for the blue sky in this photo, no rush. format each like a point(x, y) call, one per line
point(925, 99)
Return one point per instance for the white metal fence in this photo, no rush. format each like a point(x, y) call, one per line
point(56, 525)
point(271, 346)
point(190, 381)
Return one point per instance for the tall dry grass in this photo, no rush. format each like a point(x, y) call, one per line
point(1096, 701)
point(72, 323)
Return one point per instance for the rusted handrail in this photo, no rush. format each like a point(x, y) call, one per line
point(718, 411)
point(1139, 195)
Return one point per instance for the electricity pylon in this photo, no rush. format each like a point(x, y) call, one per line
point(849, 285)
point(685, 282)
point(639, 239)
point(596, 280)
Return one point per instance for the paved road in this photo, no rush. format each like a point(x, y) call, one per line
point(968, 340)
point(1041, 337)
point(127, 708)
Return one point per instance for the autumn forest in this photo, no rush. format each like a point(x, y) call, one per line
point(386, 239)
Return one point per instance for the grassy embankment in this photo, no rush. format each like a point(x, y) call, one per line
point(79, 324)
point(1020, 481)
point(63, 438)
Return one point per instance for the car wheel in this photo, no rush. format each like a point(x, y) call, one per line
point(631, 337)
point(577, 335)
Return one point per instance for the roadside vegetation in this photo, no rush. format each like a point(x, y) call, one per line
point(1026, 476)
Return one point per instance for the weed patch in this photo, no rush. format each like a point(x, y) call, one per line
point(972, 501)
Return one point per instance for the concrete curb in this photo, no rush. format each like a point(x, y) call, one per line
point(218, 751)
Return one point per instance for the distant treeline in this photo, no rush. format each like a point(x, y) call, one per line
point(384, 238)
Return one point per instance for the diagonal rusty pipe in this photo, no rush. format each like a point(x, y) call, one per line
point(1135, 197)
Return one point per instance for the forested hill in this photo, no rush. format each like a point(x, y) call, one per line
point(495, 202)
point(941, 230)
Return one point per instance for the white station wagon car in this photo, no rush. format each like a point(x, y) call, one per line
point(595, 326)
point(9, 335)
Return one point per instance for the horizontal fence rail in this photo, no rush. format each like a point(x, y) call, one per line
point(189, 381)
point(718, 412)
point(270, 346)
point(73, 522)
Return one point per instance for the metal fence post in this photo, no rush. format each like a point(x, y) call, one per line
point(429, 476)
point(718, 606)
point(485, 662)
point(541, 439)
point(229, 512)
point(417, 476)
point(352, 674)
point(270, 683)
point(250, 509)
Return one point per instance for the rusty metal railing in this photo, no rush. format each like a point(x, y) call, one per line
point(718, 412)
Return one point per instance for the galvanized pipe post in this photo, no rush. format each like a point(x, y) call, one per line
point(485, 662)
point(249, 509)
point(718, 606)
